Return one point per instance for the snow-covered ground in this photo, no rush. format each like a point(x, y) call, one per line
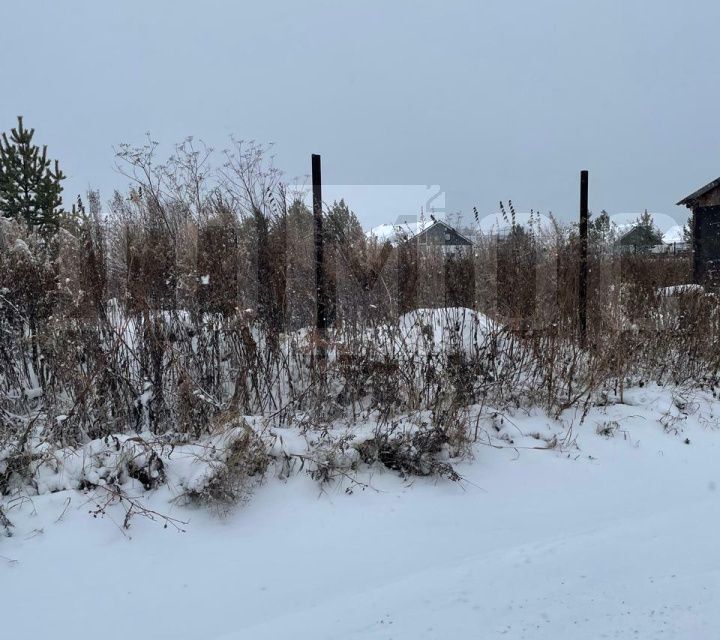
point(616, 537)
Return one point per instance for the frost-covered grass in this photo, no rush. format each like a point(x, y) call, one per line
point(558, 530)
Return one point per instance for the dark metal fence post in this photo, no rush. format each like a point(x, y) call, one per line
point(320, 288)
point(582, 285)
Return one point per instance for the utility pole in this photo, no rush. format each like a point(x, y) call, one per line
point(582, 285)
point(320, 287)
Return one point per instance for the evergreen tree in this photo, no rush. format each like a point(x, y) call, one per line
point(601, 224)
point(30, 184)
point(688, 228)
point(341, 225)
point(650, 234)
point(601, 229)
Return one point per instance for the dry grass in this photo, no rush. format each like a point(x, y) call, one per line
point(191, 301)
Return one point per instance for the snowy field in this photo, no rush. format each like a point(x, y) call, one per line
point(613, 537)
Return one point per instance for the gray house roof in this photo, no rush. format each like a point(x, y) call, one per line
point(441, 233)
point(696, 195)
point(435, 232)
point(637, 235)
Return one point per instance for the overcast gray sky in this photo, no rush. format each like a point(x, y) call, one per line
point(491, 99)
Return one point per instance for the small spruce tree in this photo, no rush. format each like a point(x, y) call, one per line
point(601, 228)
point(650, 235)
point(30, 183)
point(688, 228)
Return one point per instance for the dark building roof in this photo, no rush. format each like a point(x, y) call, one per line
point(441, 233)
point(690, 200)
point(639, 235)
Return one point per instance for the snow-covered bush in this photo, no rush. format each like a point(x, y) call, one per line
point(232, 464)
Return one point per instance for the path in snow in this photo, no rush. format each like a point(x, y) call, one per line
point(620, 542)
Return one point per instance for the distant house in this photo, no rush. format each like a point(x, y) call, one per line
point(441, 234)
point(429, 233)
point(421, 283)
point(638, 239)
point(634, 237)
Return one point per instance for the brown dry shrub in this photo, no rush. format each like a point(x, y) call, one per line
point(237, 469)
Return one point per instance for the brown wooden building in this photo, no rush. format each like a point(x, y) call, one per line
point(705, 206)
